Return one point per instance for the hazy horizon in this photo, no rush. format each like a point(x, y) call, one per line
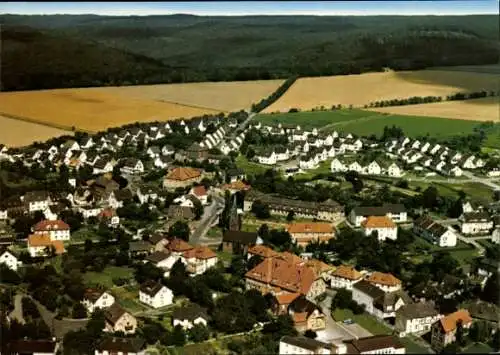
point(255, 8)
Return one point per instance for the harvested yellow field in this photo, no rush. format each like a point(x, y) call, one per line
point(17, 133)
point(90, 109)
point(487, 109)
point(358, 90)
point(221, 96)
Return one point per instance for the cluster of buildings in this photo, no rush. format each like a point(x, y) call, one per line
point(436, 157)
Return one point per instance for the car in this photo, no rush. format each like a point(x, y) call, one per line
point(348, 321)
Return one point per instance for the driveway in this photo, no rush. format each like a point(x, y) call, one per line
point(210, 215)
point(337, 330)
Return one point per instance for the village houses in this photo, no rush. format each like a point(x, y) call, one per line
point(97, 299)
point(155, 294)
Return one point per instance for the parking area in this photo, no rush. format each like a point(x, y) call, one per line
point(357, 330)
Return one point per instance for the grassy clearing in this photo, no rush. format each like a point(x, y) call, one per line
point(412, 347)
point(224, 256)
point(365, 320)
point(105, 278)
point(476, 348)
point(365, 123)
point(323, 168)
point(250, 167)
point(308, 120)
point(493, 139)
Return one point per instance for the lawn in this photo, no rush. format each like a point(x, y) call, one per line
point(224, 256)
point(105, 278)
point(365, 320)
point(250, 167)
point(493, 138)
point(82, 234)
point(128, 298)
point(214, 232)
point(476, 348)
point(308, 120)
point(413, 126)
point(366, 123)
point(323, 168)
point(412, 347)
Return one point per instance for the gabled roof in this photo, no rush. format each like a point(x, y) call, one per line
point(199, 190)
point(367, 288)
point(190, 312)
point(263, 251)
point(151, 288)
point(183, 173)
point(471, 217)
point(383, 279)
point(307, 343)
point(93, 294)
point(375, 342)
point(179, 245)
point(139, 246)
point(378, 222)
point(157, 256)
point(121, 345)
point(449, 323)
point(113, 313)
point(47, 226)
point(247, 238)
point(347, 272)
point(310, 228)
point(277, 272)
point(200, 252)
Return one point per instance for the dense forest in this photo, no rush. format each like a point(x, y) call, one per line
point(58, 51)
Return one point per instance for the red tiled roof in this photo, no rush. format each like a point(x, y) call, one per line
point(43, 240)
point(183, 173)
point(378, 222)
point(449, 323)
point(47, 225)
point(310, 228)
point(262, 250)
point(383, 279)
point(179, 245)
point(347, 272)
point(199, 191)
point(200, 252)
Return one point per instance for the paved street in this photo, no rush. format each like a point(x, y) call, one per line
point(336, 330)
point(210, 214)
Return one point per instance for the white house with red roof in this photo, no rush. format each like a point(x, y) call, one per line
point(201, 193)
point(57, 230)
point(199, 259)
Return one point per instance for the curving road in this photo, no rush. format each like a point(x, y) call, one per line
point(210, 215)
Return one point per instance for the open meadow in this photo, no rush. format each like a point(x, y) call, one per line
point(89, 110)
point(485, 109)
point(360, 90)
point(17, 133)
point(221, 96)
point(365, 123)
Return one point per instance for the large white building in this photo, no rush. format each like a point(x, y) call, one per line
point(58, 230)
point(416, 318)
point(396, 212)
point(476, 223)
point(155, 294)
point(377, 344)
point(344, 277)
point(384, 227)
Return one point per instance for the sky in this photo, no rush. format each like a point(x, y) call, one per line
point(235, 8)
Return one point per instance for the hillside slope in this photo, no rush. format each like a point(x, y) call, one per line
point(185, 48)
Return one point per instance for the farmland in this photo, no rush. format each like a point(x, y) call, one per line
point(221, 96)
point(358, 90)
point(17, 133)
point(89, 110)
point(365, 123)
point(486, 109)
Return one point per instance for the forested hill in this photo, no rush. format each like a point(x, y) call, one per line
point(57, 51)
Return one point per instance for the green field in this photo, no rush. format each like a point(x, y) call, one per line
point(250, 167)
point(308, 120)
point(493, 139)
point(105, 278)
point(365, 123)
point(365, 320)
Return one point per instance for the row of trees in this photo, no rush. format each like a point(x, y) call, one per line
point(415, 100)
point(261, 105)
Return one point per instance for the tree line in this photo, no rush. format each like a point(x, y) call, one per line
point(262, 104)
point(415, 100)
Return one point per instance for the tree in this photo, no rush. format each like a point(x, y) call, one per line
point(198, 333)
point(148, 271)
point(342, 299)
point(460, 335)
point(260, 210)
point(491, 291)
point(430, 197)
point(238, 266)
point(310, 334)
point(479, 331)
point(279, 327)
point(96, 324)
point(198, 209)
point(180, 229)
point(79, 311)
point(290, 216)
